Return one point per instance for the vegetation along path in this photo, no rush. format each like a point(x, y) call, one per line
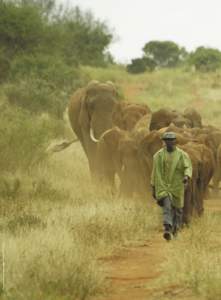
point(134, 270)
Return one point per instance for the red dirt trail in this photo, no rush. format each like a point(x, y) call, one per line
point(134, 269)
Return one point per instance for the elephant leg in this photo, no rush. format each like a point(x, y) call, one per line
point(216, 180)
point(188, 205)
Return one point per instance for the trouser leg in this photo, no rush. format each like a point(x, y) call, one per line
point(177, 219)
point(167, 212)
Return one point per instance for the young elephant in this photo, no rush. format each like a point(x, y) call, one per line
point(118, 154)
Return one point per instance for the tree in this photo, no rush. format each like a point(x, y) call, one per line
point(150, 64)
point(137, 65)
point(21, 27)
point(85, 38)
point(205, 59)
point(163, 53)
point(33, 27)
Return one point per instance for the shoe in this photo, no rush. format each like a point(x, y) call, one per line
point(167, 235)
point(167, 232)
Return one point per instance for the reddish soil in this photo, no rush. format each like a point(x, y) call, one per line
point(133, 270)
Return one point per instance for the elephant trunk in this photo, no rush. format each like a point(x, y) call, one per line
point(98, 125)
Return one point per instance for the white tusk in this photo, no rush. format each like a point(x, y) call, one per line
point(93, 138)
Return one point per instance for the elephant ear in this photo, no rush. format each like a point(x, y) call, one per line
point(115, 89)
point(84, 116)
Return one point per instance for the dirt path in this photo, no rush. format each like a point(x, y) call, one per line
point(133, 270)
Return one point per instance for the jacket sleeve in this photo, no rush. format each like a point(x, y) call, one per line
point(152, 181)
point(187, 165)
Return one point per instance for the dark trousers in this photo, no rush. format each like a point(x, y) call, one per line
point(171, 215)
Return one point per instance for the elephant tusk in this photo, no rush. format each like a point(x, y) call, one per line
point(93, 138)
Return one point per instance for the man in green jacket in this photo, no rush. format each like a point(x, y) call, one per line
point(172, 169)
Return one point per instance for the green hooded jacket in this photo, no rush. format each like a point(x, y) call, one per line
point(169, 169)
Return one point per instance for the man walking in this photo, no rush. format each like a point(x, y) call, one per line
point(172, 169)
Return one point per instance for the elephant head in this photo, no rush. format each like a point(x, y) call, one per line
point(162, 118)
point(98, 106)
point(182, 122)
point(194, 117)
point(132, 173)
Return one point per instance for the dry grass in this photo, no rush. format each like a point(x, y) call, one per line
point(52, 242)
point(57, 224)
point(194, 259)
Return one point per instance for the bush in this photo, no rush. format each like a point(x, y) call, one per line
point(206, 59)
point(37, 96)
point(137, 65)
point(4, 66)
point(50, 68)
point(23, 139)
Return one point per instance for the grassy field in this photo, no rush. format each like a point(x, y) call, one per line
point(55, 225)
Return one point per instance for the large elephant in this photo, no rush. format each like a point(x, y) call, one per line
point(90, 114)
point(94, 110)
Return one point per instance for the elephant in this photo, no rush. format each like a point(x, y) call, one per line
point(202, 161)
point(116, 146)
point(181, 121)
point(108, 156)
point(165, 116)
point(117, 154)
point(211, 137)
point(203, 170)
point(162, 118)
point(130, 155)
point(93, 111)
point(90, 112)
point(217, 175)
point(194, 117)
point(126, 116)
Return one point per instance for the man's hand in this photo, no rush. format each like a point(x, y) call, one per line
point(185, 181)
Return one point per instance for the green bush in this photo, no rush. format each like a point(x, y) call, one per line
point(51, 68)
point(4, 66)
point(137, 65)
point(206, 59)
point(37, 96)
point(24, 138)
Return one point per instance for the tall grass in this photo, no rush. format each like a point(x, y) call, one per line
point(55, 235)
point(56, 224)
point(194, 259)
